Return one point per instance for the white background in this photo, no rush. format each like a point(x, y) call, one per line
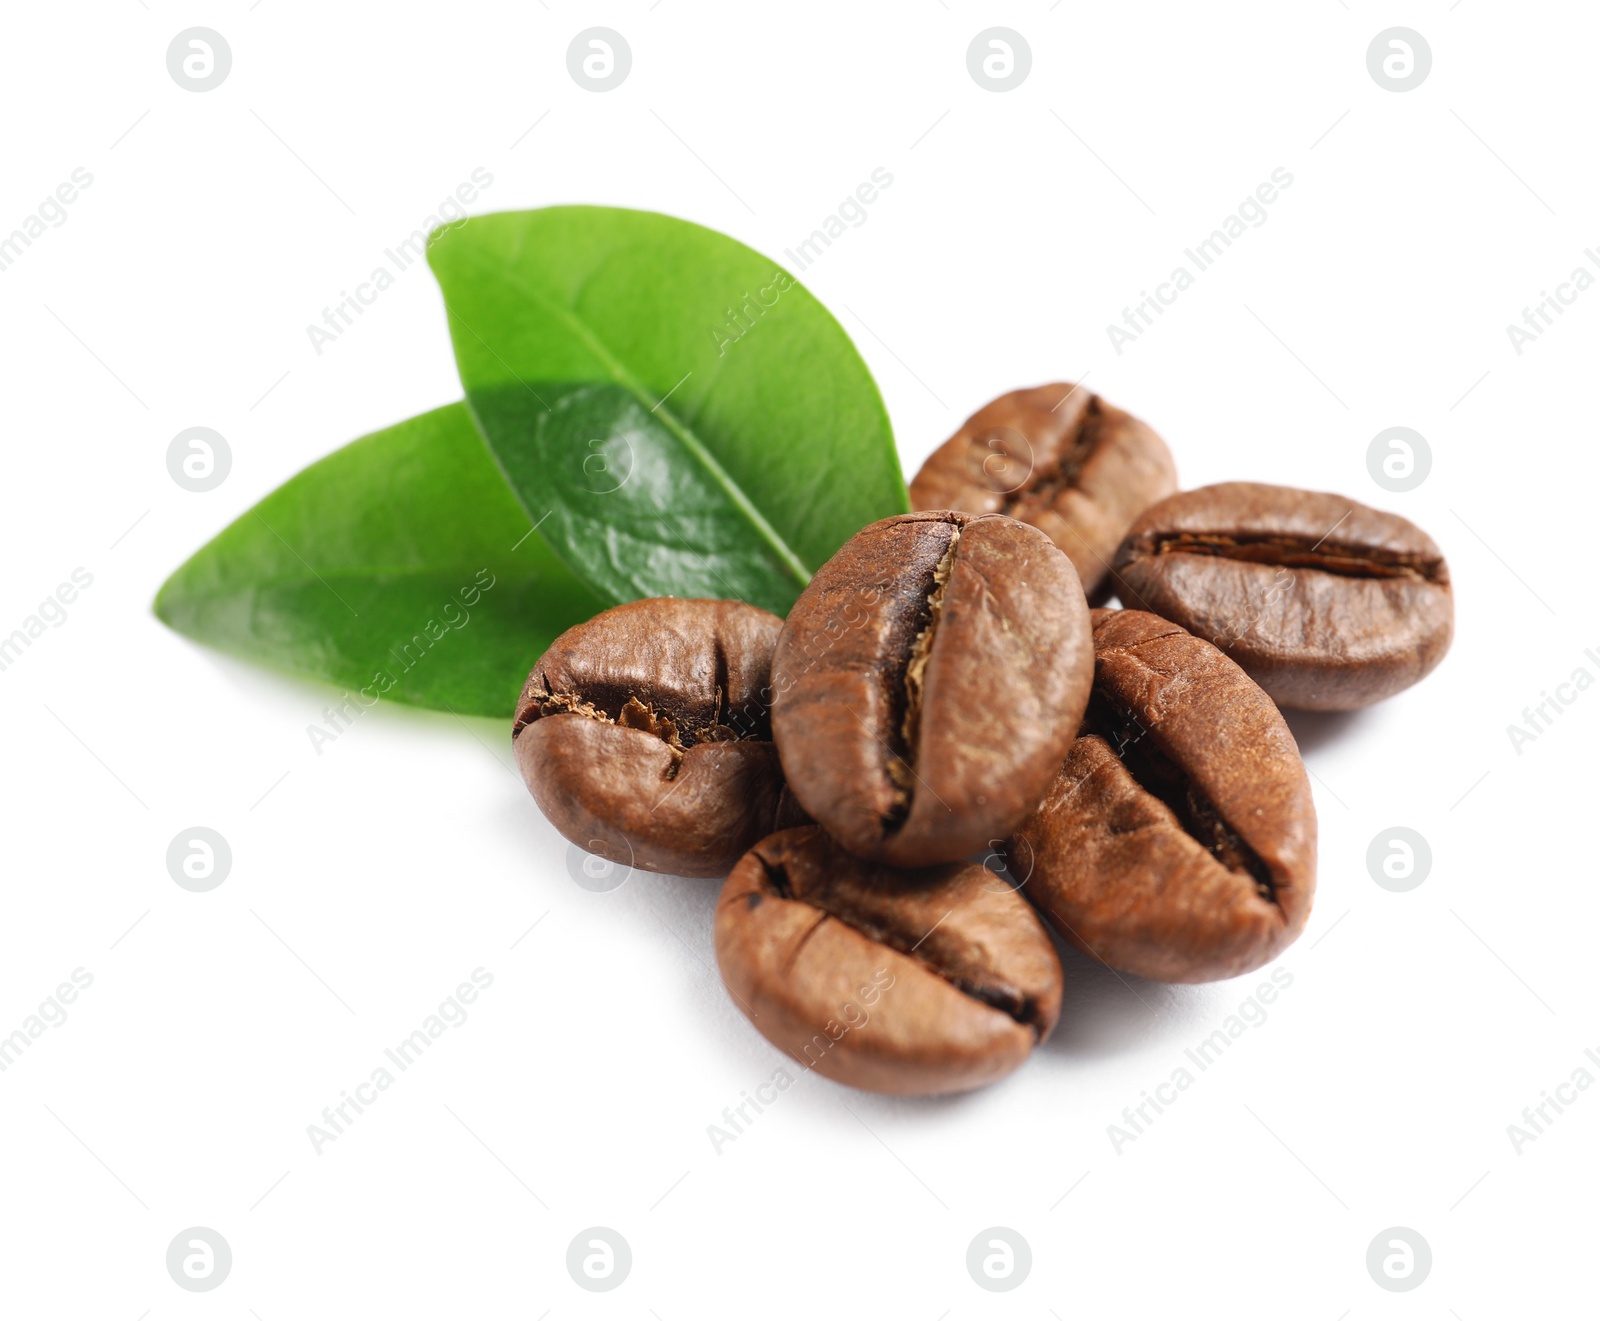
point(370, 880)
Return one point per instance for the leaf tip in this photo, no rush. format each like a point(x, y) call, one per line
point(161, 604)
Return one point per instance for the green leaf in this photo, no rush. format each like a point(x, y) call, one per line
point(686, 417)
point(400, 564)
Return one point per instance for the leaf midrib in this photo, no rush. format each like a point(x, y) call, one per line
point(620, 374)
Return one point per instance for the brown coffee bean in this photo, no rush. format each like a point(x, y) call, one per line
point(1179, 840)
point(1327, 604)
point(910, 982)
point(644, 735)
point(928, 682)
point(1059, 458)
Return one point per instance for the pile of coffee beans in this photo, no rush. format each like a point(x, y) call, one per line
point(944, 754)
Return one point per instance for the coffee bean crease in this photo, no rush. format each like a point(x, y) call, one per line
point(872, 912)
point(914, 982)
point(1138, 745)
point(1348, 561)
point(928, 682)
point(1178, 841)
point(1328, 604)
point(645, 736)
point(1057, 458)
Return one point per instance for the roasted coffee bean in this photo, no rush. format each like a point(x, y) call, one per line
point(910, 982)
point(645, 736)
point(1059, 458)
point(1179, 840)
point(928, 682)
point(1327, 604)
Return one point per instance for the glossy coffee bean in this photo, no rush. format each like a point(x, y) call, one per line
point(1327, 604)
point(911, 982)
point(1178, 841)
point(927, 683)
point(1056, 457)
point(644, 735)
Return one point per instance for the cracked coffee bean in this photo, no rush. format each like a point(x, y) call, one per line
point(1178, 841)
point(909, 982)
point(1327, 604)
point(644, 735)
point(1059, 458)
point(928, 683)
